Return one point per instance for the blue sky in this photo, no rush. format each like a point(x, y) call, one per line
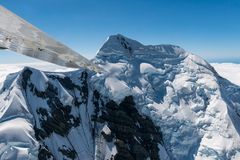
point(209, 28)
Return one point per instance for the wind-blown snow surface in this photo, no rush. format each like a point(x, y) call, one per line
point(183, 106)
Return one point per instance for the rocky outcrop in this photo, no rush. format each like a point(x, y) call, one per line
point(135, 136)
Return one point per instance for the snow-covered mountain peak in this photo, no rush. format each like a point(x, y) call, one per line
point(180, 91)
point(119, 44)
point(122, 45)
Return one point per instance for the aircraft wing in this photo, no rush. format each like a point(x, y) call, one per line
point(20, 36)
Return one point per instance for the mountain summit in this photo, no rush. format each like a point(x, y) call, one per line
point(119, 44)
point(151, 102)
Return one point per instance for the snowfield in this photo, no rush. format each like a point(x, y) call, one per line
point(151, 102)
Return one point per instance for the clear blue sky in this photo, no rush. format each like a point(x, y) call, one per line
point(209, 28)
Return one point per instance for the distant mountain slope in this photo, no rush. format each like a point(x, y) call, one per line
point(151, 102)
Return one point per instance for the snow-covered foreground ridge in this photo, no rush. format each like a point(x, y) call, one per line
point(151, 102)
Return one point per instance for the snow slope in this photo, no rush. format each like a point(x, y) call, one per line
point(151, 102)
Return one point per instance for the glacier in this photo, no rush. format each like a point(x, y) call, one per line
point(150, 102)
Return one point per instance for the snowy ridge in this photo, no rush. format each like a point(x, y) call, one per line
point(33, 99)
point(152, 102)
